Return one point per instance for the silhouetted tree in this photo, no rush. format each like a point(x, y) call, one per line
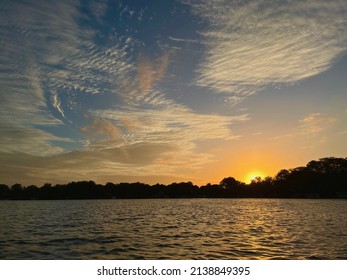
point(31, 192)
point(47, 192)
point(83, 190)
point(132, 190)
point(282, 176)
point(262, 187)
point(326, 178)
point(232, 187)
point(183, 189)
point(16, 191)
point(214, 191)
point(110, 190)
point(4, 191)
point(328, 165)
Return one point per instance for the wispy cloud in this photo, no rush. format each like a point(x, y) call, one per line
point(99, 9)
point(174, 123)
point(101, 127)
point(175, 127)
point(150, 72)
point(118, 163)
point(50, 62)
point(29, 32)
point(53, 65)
point(253, 44)
point(28, 140)
point(184, 40)
point(57, 104)
point(316, 122)
point(145, 75)
point(310, 126)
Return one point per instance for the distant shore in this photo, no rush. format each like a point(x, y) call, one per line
point(325, 178)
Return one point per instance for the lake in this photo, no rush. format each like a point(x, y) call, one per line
point(174, 229)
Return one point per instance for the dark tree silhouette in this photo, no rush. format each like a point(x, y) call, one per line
point(17, 191)
point(4, 191)
point(323, 178)
point(233, 187)
point(212, 191)
point(31, 192)
point(182, 190)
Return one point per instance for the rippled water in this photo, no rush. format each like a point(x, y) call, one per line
point(174, 229)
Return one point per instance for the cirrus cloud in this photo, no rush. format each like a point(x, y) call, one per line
point(316, 122)
point(253, 44)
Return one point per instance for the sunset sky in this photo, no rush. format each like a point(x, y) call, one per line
point(164, 91)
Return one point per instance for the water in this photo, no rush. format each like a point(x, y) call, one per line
point(174, 229)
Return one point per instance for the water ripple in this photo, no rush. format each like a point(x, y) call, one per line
point(174, 229)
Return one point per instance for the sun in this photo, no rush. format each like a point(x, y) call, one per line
point(252, 175)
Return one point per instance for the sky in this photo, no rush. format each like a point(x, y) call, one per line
point(169, 91)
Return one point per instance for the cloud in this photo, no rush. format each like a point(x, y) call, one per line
point(316, 122)
point(28, 32)
point(173, 126)
point(56, 67)
point(131, 124)
point(154, 141)
point(162, 65)
point(57, 104)
point(145, 74)
point(101, 127)
point(150, 72)
point(130, 161)
point(174, 122)
point(49, 39)
point(181, 40)
point(310, 126)
point(145, 91)
point(253, 44)
point(51, 63)
point(99, 9)
point(28, 140)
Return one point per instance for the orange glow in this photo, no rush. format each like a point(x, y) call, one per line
point(252, 175)
point(245, 160)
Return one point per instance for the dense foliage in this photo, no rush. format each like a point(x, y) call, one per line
point(325, 178)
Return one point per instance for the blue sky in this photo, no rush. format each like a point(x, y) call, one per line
point(162, 91)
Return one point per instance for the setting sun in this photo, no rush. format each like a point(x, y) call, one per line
point(252, 175)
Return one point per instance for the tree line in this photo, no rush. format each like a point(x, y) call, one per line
point(324, 178)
